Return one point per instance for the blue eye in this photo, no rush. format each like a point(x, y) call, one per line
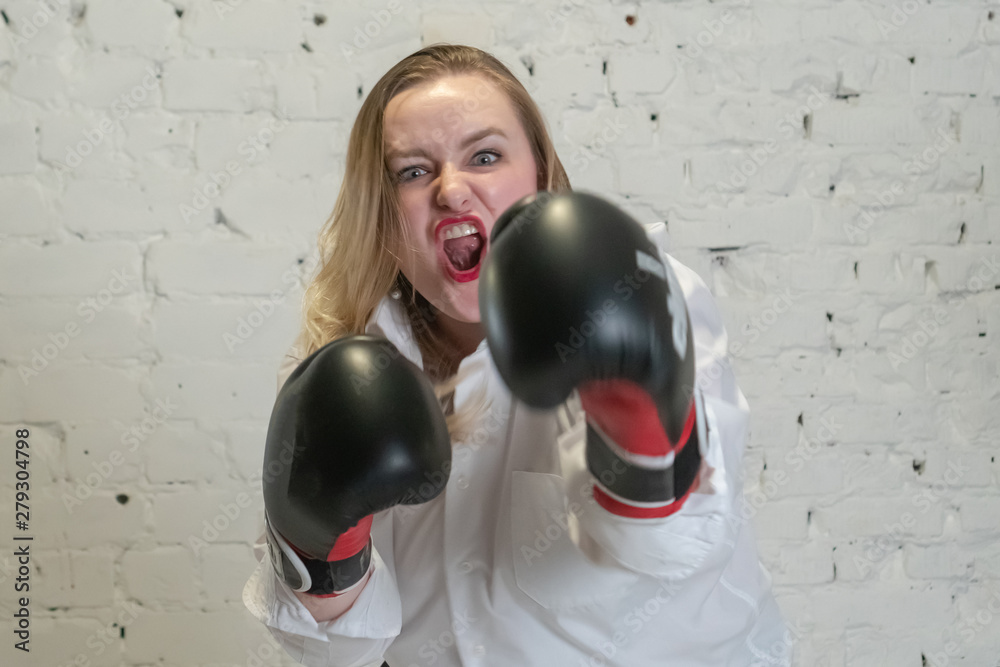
point(495, 154)
point(400, 175)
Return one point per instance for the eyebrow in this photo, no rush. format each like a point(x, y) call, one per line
point(468, 141)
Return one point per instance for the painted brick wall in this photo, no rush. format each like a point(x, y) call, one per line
point(832, 169)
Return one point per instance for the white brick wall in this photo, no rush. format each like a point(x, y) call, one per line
point(830, 168)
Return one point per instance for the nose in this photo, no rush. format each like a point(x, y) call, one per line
point(453, 189)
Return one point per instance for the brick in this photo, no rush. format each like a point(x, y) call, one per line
point(157, 132)
point(986, 561)
point(39, 29)
point(199, 519)
point(655, 176)
point(245, 445)
point(47, 459)
point(827, 271)
point(354, 32)
point(589, 171)
point(212, 637)
point(775, 321)
point(101, 270)
point(143, 24)
point(295, 84)
point(182, 453)
point(936, 561)
point(72, 327)
point(575, 78)
point(102, 456)
point(840, 124)
point(74, 578)
point(236, 391)
point(76, 144)
point(638, 73)
point(875, 423)
point(61, 641)
point(979, 514)
point(466, 28)
point(809, 563)
point(25, 208)
point(78, 391)
point(609, 25)
point(308, 150)
point(950, 76)
point(20, 154)
point(115, 85)
point(927, 24)
point(101, 519)
point(803, 471)
point(798, 67)
point(832, 608)
point(869, 468)
point(337, 95)
point(250, 328)
point(108, 206)
point(245, 140)
point(224, 569)
point(868, 559)
point(261, 205)
point(879, 73)
point(166, 574)
point(248, 26)
point(775, 26)
point(944, 375)
point(772, 423)
point(892, 273)
point(178, 203)
point(786, 222)
point(874, 648)
point(980, 125)
point(878, 516)
point(749, 274)
point(781, 520)
point(185, 267)
point(39, 79)
point(965, 270)
point(214, 85)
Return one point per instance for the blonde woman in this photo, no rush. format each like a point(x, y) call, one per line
point(504, 548)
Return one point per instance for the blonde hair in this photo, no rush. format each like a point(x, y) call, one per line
point(358, 241)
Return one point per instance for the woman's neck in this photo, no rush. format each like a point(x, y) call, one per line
point(465, 336)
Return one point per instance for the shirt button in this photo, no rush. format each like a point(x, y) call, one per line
point(465, 567)
point(462, 483)
point(479, 649)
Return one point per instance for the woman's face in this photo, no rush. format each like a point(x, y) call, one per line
point(460, 158)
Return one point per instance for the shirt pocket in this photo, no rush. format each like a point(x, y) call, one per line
point(556, 564)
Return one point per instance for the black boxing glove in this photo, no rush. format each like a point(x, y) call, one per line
point(356, 429)
point(574, 294)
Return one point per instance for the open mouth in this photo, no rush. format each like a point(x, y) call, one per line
point(461, 243)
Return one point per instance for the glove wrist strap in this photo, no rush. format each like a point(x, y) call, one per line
point(644, 487)
point(317, 577)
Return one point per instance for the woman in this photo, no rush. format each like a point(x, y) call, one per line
point(487, 573)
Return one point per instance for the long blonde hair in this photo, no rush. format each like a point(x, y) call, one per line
point(357, 242)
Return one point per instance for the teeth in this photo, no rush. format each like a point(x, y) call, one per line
point(459, 230)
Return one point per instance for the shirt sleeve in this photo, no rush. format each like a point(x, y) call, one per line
point(357, 638)
point(702, 531)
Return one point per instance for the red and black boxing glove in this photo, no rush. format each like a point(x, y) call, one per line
point(574, 295)
point(356, 429)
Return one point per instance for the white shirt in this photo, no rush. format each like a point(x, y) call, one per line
point(515, 564)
